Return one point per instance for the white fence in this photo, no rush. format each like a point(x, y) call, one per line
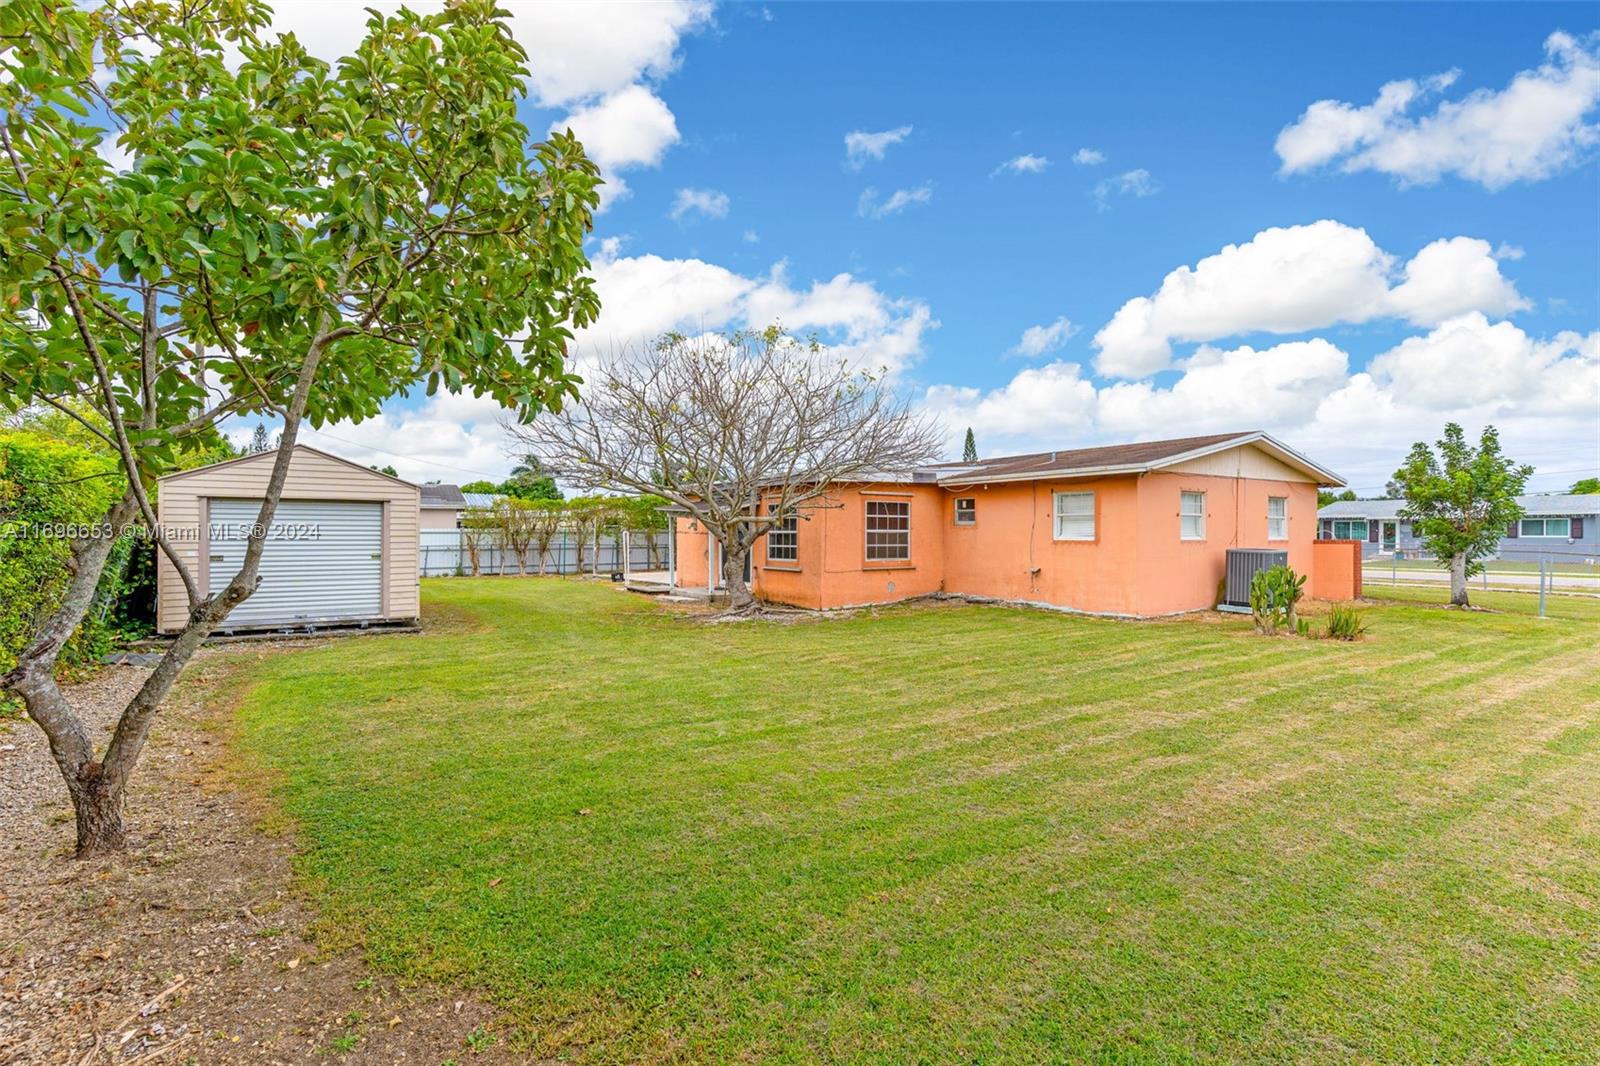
point(445, 553)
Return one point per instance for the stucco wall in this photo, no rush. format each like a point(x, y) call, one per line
point(1011, 552)
point(1182, 575)
point(833, 570)
point(1137, 563)
point(437, 518)
point(312, 476)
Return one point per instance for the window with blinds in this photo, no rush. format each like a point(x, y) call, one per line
point(1192, 515)
point(1074, 514)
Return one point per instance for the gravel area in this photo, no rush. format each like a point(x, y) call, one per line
point(193, 947)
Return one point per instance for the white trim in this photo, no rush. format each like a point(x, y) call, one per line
point(1182, 514)
point(1056, 496)
point(1271, 517)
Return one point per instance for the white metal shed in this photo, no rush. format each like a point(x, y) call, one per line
point(342, 548)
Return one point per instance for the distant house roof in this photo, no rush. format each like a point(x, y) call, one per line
point(443, 497)
point(481, 499)
point(1123, 459)
point(1553, 503)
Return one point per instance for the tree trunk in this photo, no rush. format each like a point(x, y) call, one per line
point(739, 597)
point(1458, 580)
point(97, 805)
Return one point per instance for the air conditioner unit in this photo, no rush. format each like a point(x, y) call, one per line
point(1242, 566)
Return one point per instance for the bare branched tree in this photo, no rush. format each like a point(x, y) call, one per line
point(741, 430)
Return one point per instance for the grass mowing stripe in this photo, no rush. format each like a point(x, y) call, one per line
point(960, 833)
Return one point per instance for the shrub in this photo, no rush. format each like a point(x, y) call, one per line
point(47, 483)
point(1345, 623)
point(1274, 592)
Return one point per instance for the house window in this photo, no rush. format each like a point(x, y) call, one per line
point(966, 511)
point(888, 531)
point(1547, 527)
point(1074, 515)
point(783, 539)
point(1349, 529)
point(1277, 518)
point(1192, 515)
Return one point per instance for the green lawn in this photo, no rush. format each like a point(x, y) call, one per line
point(957, 833)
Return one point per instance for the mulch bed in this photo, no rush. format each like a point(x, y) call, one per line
point(194, 947)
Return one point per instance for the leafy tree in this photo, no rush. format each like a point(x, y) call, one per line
point(1326, 496)
point(1461, 500)
point(390, 470)
point(1587, 486)
point(301, 241)
point(742, 431)
point(530, 485)
point(260, 441)
point(969, 451)
point(480, 486)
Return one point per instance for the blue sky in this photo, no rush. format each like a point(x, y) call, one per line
point(933, 258)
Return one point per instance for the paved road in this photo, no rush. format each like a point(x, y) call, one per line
point(1382, 575)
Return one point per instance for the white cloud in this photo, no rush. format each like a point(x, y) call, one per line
point(1043, 400)
point(576, 50)
point(1469, 362)
point(870, 206)
point(1088, 157)
point(447, 438)
point(752, 237)
point(1024, 164)
point(1542, 394)
point(644, 296)
point(1451, 276)
point(1135, 183)
point(629, 128)
point(1220, 390)
point(708, 202)
point(1532, 129)
point(860, 147)
point(579, 49)
point(1037, 340)
point(596, 60)
point(1297, 278)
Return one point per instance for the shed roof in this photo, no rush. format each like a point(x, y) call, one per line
point(269, 455)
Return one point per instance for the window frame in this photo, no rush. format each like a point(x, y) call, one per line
point(1056, 515)
point(1366, 528)
point(1283, 534)
point(1544, 527)
point(971, 512)
point(867, 503)
point(790, 528)
point(1184, 496)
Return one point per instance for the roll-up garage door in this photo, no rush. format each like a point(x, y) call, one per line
point(323, 560)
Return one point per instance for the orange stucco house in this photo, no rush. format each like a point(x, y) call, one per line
point(1133, 530)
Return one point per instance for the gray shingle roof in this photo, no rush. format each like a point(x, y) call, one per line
point(1553, 503)
point(443, 496)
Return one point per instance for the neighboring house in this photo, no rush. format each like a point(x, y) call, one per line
point(442, 506)
point(1555, 526)
point(342, 548)
point(1132, 530)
